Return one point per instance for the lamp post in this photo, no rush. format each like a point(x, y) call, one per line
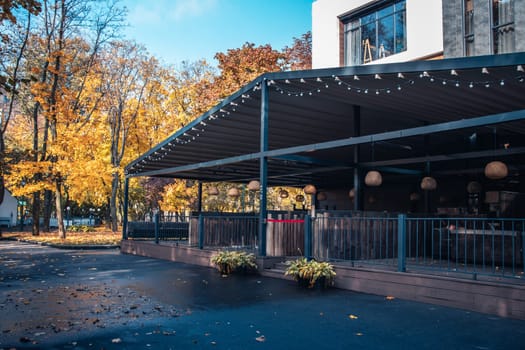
point(22, 202)
point(68, 210)
point(91, 211)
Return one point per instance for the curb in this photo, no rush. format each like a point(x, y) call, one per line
point(63, 246)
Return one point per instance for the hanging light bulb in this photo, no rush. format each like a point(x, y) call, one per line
point(283, 193)
point(213, 191)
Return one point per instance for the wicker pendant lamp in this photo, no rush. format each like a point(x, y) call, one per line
point(213, 191)
point(309, 189)
point(428, 183)
point(254, 185)
point(233, 192)
point(473, 187)
point(496, 169)
point(321, 196)
point(373, 178)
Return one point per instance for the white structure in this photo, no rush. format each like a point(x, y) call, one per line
point(353, 32)
point(8, 210)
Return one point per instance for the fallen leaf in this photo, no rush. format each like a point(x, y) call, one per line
point(353, 317)
point(389, 297)
point(359, 334)
point(116, 340)
point(261, 339)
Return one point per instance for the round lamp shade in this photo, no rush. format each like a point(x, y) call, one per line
point(321, 196)
point(299, 198)
point(233, 192)
point(283, 193)
point(414, 196)
point(351, 193)
point(428, 183)
point(213, 191)
point(310, 189)
point(496, 170)
point(254, 185)
point(474, 187)
point(373, 178)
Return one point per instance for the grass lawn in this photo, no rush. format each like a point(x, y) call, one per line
point(100, 236)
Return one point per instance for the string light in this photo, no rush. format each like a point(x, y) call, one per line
point(187, 137)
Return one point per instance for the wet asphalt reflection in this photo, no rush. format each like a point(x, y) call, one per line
point(101, 299)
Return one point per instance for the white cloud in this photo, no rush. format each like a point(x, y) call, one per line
point(191, 8)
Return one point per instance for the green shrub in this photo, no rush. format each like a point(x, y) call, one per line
point(310, 271)
point(228, 262)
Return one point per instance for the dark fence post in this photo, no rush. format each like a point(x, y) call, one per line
point(156, 219)
point(523, 247)
point(401, 242)
point(308, 236)
point(201, 231)
point(125, 214)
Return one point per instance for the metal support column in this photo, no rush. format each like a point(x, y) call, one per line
point(200, 230)
point(401, 242)
point(358, 189)
point(263, 168)
point(199, 198)
point(125, 212)
point(156, 219)
point(308, 237)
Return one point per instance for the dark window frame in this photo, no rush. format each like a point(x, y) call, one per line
point(352, 33)
point(499, 27)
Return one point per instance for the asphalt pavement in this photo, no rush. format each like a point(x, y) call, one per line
point(101, 299)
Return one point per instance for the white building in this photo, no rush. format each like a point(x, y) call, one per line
point(355, 32)
point(8, 210)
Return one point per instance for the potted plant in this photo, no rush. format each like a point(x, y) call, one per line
point(228, 262)
point(311, 272)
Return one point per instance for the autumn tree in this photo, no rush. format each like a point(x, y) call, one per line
point(240, 66)
point(13, 43)
point(299, 55)
point(65, 46)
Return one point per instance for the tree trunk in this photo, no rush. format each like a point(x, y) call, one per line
point(58, 201)
point(36, 214)
point(48, 207)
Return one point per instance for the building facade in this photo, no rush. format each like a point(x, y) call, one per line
point(483, 27)
point(355, 32)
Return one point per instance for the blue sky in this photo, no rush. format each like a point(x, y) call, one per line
point(189, 30)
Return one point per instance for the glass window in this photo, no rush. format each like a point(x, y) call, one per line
point(503, 25)
point(378, 33)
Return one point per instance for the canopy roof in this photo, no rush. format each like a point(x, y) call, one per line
point(451, 114)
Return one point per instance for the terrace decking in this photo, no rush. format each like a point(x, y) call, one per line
point(471, 263)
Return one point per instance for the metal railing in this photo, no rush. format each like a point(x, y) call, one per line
point(477, 246)
point(160, 230)
point(472, 246)
point(232, 231)
point(364, 239)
